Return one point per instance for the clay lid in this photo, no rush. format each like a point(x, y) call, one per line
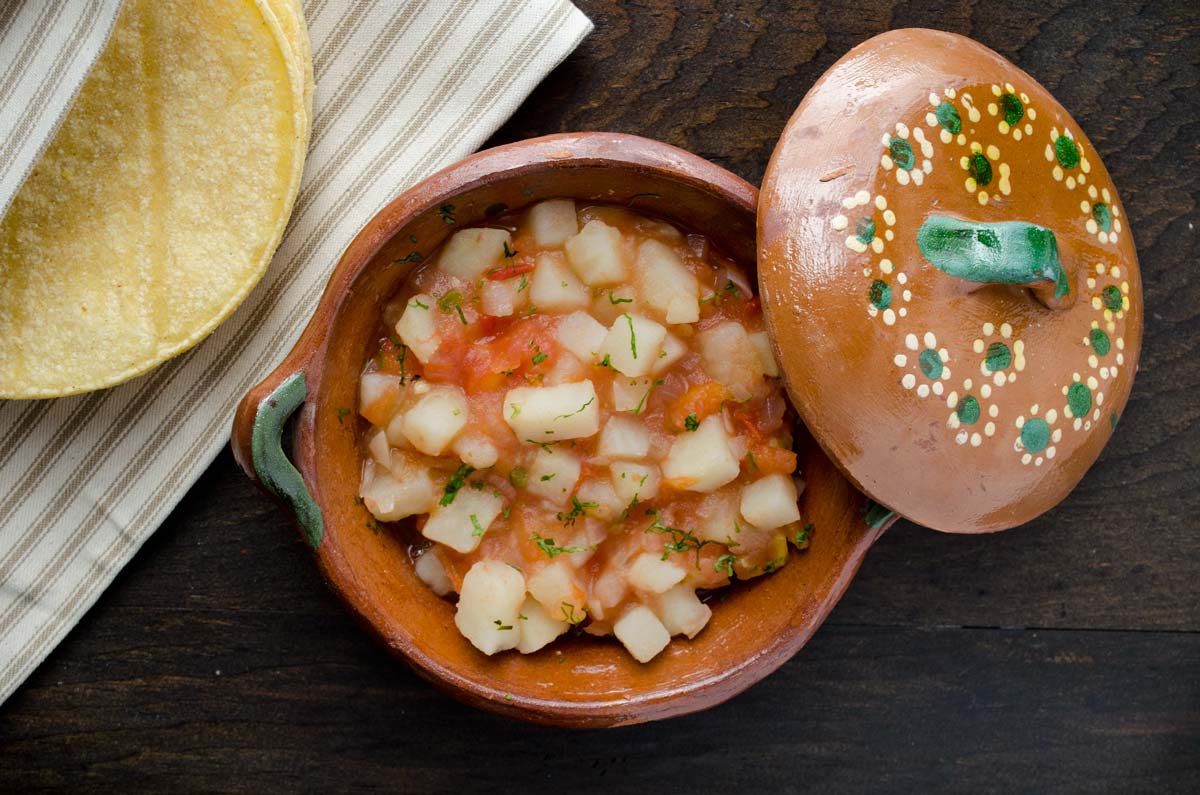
point(949, 276)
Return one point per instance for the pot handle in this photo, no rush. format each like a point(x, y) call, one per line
point(257, 447)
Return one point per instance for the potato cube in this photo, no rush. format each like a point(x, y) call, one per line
point(731, 358)
point(476, 449)
point(555, 589)
point(666, 284)
point(377, 394)
point(701, 460)
point(417, 327)
point(595, 254)
point(551, 413)
point(623, 437)
point(391, 498)
point(766, 356)
point(770, 502)
point(681, 612)
point(502, 297)
point(380, 450)
point(717, 517)
point(634, 481)
point(436, 419)
point(649, 573)
point(553, 475)
point(537, 627)
point(581, 334)
point(553, 222)
point(554, 287)
point(642, 633)
point(608, 505)
point(489, 605)
point(461, 524)
point(467, 254)
point(632, 344)
point(395, 432)
point(672, 351)
point(431, 572)
point(631, 394)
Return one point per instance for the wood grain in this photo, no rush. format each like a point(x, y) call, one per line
point(1064, 655)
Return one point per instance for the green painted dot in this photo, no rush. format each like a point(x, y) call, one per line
point(1079, 399)
point(902, 153)
point(979, 168)
point(1112, 421)
point(880, 294)
point(999, 357)
point(931, 363)
point(1100, 342)
point(947, 116)
point(1035, 435)
point(1013, 108)
point(968, 410)
point(865, 231)
point(1111, 297)
point(1103, 215)
point(1066, 151)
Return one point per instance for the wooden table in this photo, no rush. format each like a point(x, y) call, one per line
point(1062, 655)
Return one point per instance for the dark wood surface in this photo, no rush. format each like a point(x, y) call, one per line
point(1064, 655)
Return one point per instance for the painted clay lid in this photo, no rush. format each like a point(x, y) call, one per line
point(949, 277)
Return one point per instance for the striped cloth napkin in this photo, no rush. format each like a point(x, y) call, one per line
point(403, 88)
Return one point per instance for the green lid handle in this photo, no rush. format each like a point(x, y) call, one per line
point(276, 473)
point(1009, 252)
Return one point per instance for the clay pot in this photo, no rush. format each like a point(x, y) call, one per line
point(577, 681)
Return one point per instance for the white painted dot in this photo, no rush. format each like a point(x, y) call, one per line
point(993, 410)
point(903, 311)
point(1035, 408)
point(923, 390)
point(937, 387)
point(990, 429)
point(977, 346)
point(976, 440)
point(930, 340)
point(889, 316)
point(908, 381)
point(1051, 453)
point(961, 437)
point(1057, 435)
point(880, 202)
point(1037, 462)
point(988, 328)
point(967, 384)
point(889, 217)
point(986, 390)
point(862, 197)
point(902, 277)
point(952, 400)
point(840, 222)
point(907, 295)
point(999, 378)
point(901, 360)
point(1092, 382)
point(1025, 459)
point(1005, 330)
point(886, 265)
point(1052, 416)
point(910, 342)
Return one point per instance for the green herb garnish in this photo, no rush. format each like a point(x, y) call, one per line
point(691, 423)
point(447, 212)
point(501, 625)
point(417, 302)
point(577, 510)
point(681, 540)
point(578, 411)
point(343, 413)
point(457, 481)
point(413, 256)
point(724, 564)
point(478, 531)
point(632, 334)
point(508, 254)
point(548, 477)
point(552, 549)
point(518, 476)
point(539, 357)
point(568, 613)
point(615, 301)
point(802, 537)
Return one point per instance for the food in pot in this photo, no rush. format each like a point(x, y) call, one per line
point(581, 408)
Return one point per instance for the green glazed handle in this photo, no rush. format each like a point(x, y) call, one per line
point(1010, 252)
point(276, 473)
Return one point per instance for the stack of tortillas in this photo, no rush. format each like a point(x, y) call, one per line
point(158, 204)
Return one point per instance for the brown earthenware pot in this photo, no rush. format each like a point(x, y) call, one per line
point(577, 681)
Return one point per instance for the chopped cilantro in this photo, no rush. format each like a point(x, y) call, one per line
point(732, 289)
point(580, 410)
point(539, 357)
point(413, 256)
point(508, 253)
point(724, 564)
point(518, 476)
point(447, 213)
point(342, 413)
point(568, 613)
point(553, 550)
point(614, 301)
point(577, 510)
point(681, 540)
point(417, 302)
point(524, 283)
point(632, 334)
point(802, 537)
point(457, 480)
point(691, 423)
point(606, 361)
point(516, 411)
point(478, 531)
point(501, 625)
point(548, 477)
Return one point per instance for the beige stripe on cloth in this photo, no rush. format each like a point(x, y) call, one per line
point(402, 89)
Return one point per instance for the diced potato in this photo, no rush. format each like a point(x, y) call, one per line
point(608, 505)
point(581, 334)
point(489, 606)
point(553, 475)
point(379, 449)
point(633, 344)
point(731, 358)
point(634, 480)
point(461, 524)
point(537, 626)
point(666, 284)
point(431, 572)
point(390, 498)
point(716, 517)
point(681, 612)
point(672, 351)
point(609, 303)
point(553, 222)
point(467, 254)
point(551, 413)
point(649, 573)
point(595, 254)
point(554, 287)
point(377, 393)
point(631, 394)
point(623, 437)
point(642, 633)
point(502, 298)
point(417, 327)
point(770, 502)
point(701, 460)
point(766, 356)
point(554, 586)
point(476, 449)
point(433, 422)
point(395, 432)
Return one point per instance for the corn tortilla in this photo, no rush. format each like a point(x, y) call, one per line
point(161, 199)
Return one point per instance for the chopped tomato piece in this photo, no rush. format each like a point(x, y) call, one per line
point(770, 459)
point(509, 271)
point(700, 400)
